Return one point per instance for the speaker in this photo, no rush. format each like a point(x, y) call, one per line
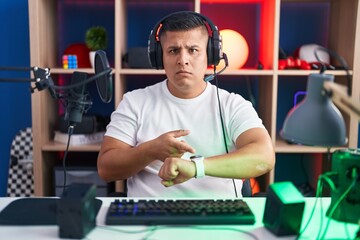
point(284, 209)
point(76, 211)
point(214, 45)
point(137, 57)
point(346, 163)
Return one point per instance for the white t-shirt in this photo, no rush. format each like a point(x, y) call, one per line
point(145, 114)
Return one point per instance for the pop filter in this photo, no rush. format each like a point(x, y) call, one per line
point(104, 83)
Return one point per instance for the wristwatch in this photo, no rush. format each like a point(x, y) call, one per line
point(199, 165)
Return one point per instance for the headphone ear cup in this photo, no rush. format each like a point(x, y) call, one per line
point(215, 51)
point(159, 56)
point(210, 52)
point(155, 52)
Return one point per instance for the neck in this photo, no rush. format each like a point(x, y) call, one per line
point(186, 92)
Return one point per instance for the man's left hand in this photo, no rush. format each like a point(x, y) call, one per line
point(175, 171)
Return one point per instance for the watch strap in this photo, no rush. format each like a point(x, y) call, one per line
point(199, 165)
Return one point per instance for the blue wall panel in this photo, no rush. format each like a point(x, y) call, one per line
point(15, 100)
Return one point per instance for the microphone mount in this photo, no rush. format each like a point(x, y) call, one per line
point(77, 99)
point(42, 78)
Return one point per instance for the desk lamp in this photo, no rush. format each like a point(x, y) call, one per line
point(317, 122)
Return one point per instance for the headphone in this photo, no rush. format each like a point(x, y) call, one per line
point(214, 45)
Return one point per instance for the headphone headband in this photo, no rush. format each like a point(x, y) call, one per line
point(214, 51)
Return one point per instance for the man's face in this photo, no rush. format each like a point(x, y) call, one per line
point(185, 61)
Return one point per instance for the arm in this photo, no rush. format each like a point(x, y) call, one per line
point(254, 156)
point(118, 160)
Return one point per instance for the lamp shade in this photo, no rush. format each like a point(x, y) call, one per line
point(236, 48)
point(315, 121)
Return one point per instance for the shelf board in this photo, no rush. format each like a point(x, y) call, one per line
point(254, 72)
point(283, 147)
point(295, 72)
point(129, 71)
point(138, 71)
point(55, 146)
point(70, 71)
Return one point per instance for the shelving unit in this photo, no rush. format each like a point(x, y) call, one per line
point(344, 38)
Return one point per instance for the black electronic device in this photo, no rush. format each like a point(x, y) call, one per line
point(137, 57)
point(33, 211)
point(104, 82)
point(76, 211)
point(345, 199)
point(214, 45)
point(78, 100)
point(179, 212)
point(88, 125)
point(212, 76)
point(284, 209)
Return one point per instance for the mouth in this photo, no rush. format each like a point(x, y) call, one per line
point(183, 72)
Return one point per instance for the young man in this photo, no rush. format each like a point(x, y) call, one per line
point(156, 130)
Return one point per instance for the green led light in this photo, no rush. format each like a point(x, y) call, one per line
point(287, 192)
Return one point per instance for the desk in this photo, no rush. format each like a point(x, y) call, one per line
point(336, 230)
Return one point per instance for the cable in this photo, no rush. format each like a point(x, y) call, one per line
point(86, 81)
point(250, 92)
point(337, 204)
point(340, 59)
point(220, 112)
point(70, 132)
point(151, 230)
point(318, 195)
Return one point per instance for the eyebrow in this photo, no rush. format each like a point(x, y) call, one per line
point(187, 47)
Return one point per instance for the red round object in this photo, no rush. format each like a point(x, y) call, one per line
point(82, 53)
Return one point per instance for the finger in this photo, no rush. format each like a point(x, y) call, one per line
point(167, 183)
point(180, 133)
point(168, 170)
point(183, 147)
point(179, 180)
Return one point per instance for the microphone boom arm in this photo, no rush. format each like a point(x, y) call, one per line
point(41, 78)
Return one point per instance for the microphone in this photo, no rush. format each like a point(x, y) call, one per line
point(78, 100)
point(209, 78)
point(212, 76)
point(104, 83)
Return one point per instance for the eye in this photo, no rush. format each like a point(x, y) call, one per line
point(173, 51)
point(193, 50)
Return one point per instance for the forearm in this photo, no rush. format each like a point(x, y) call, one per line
point(118, 163)
point(252, 160)
point(254, 156)
point(118, 160)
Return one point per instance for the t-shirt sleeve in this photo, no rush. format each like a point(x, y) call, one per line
point(242, 116)
point(123, 125)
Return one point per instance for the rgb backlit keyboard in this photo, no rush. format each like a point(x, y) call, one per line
point(179, 212)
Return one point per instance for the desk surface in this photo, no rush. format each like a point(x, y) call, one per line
point(336, 230)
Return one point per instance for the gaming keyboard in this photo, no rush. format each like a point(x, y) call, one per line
point(179, 212)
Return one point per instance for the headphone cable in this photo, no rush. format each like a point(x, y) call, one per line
point(220, 111)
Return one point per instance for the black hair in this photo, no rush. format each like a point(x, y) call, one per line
point(182, 21)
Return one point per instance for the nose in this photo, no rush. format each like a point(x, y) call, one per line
point(183, 58)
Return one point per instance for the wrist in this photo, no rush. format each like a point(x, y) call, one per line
point(199, 166)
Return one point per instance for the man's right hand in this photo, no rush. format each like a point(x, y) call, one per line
point(168, 145)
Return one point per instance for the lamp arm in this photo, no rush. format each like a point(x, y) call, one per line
point(338, 94)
